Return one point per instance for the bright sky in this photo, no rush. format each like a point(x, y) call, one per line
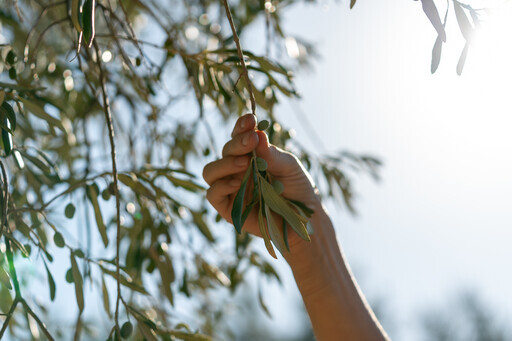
point(440, 220)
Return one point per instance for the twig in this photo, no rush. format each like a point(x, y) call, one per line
point(42, 326)
point(240, 56)
point(8, 317)
point(110, 125)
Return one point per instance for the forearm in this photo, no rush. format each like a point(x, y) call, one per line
point(336, 307)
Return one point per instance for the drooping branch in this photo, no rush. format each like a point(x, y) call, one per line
point(245, 73)
point(110, 126)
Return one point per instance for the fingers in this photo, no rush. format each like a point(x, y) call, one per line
point(218, 193)
point(224, 167)
point(244, 123)
point(241, 144)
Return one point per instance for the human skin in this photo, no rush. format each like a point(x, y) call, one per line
point(335, 305)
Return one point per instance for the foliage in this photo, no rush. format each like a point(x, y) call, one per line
point(131, 222)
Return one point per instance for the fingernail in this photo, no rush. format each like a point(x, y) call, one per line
point(235, 182)
point(241, 161)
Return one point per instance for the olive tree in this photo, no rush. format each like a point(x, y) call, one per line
point(109, 110)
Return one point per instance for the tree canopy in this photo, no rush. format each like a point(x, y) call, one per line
point(109, 109)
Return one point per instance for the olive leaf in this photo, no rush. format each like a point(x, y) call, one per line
point(275, 234)
point(465, 26)
point(236, 212)
point(7, 109)
point(77, 279)
point(462, 59)
point(75, 15)
point(436, 54)
point(106, 300)
point(264, 232)
point(39, 112)
point(5, 278)
point(51, 282)
point(430, 9)
point(88, 17)
point(92, 194)
point(281, 207)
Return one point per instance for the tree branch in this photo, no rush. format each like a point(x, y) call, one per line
point(110, 125)
point(241, 57)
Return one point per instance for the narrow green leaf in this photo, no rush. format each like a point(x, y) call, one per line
point(275, 233)
point(185, 184)
point(262, 303)
point(88, 17)
point(5, 278)
point(200, 223)
point(134, 183)
point(106, 299)
point(51, 282)
point(39, 112)
point(264, 232)
point(285, 235)
point(236, 212)
point(93, 198)
point(7, 141)
point(77, 279)
point(75, 13)
point(126, 281)
point(9, 112)
point(279, 205)
point(352, 3)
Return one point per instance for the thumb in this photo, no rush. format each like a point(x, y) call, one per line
point(277, 159)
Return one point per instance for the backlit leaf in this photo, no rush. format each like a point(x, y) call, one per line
point(430, 9)
point(93, 198)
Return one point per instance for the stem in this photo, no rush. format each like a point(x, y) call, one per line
point(8, 317)
point(245, 73)
point(110, 125)
point(42, 326)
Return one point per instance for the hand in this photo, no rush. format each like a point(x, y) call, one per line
point(225, 175)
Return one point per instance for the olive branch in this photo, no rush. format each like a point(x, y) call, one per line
point(266, 191)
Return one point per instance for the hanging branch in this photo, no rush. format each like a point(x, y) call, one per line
point(110, 125)
point(245, 73)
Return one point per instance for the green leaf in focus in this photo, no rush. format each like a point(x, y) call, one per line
point(237, 210)
point(264, 232)
point(7, 109)
point(281, 207)
point(88, 17)
point(275, 233)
